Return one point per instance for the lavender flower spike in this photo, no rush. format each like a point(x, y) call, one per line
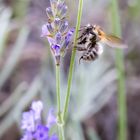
point(56, 29)
point(33, 125)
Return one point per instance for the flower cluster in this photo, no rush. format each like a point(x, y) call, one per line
point(33, 126)
point(56, 30)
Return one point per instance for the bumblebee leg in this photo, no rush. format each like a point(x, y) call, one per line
point(80, 48)
point(91, 32)
point(82, 35)
point(84, 57)
point(82, 41)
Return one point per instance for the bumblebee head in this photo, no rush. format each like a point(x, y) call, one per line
point(89, 27)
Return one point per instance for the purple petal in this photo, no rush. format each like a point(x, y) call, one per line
point(53, 6)
point(57, 23)
point(49, 13)
point(66, 42)
point(27, 136)
point(63, 11)
point(50, 28)
point(45, 31)
point(54, 137)
point(56, 50)
point(27, 122)
point(58, 38)
point(41, 133)
point(51, 41)
point(64, 27)
point(59, 7)
point(51, 119)
point(69, 37)
point(37, 107)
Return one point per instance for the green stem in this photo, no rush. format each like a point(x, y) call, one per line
point(58, 89)
point(122, 134)
point(59, 116)
point(80, 7)
point(61, 132)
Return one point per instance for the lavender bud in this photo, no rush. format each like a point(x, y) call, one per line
point(64, 27)
point(53, 6)
point(59, 8)
point(58, 38)
point(49, 13)
point(66, 42)
point(56, 51)
point(50, 28)
point(68, 37)
point(57, 23)
point(63, 11)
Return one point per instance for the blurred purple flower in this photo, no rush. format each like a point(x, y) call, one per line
point(41, 133)
point(37, 107)
point(56, 29)
point(32, 123)
point(53, 137)
point(51, 119)
point(28, 121)
point(27, 136)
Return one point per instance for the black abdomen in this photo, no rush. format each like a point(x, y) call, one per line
point(90, 55)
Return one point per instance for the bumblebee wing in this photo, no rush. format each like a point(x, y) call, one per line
point(113, 41)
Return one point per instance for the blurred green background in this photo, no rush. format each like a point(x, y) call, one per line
point(27, 70)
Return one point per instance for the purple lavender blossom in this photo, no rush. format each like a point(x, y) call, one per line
point(28, 121)
point(37, 108)
point(56, 29)
point(27, 136)
point(53, 137)
point(32, 124)
point(41, 133)
point(51, 119)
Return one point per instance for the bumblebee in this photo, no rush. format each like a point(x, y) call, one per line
point(92, 41)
